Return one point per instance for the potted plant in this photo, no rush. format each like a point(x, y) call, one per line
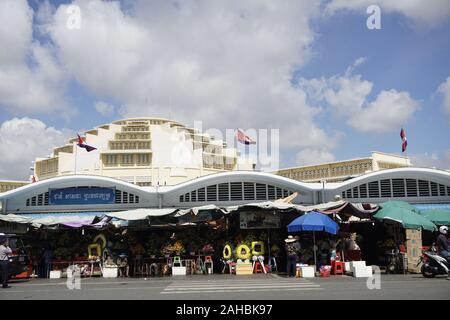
point(178, 248)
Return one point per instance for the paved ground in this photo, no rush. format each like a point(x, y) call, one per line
point(230, 287)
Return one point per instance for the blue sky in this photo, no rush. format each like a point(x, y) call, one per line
point(211, 66)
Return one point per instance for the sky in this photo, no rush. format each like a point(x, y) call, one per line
point(334, 88)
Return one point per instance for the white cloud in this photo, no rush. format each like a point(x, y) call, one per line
point(389, 111)
point(437, 159)
point(228, 63)
point(347, 95)
point(444, 89)
point(24, 139)
point(104, 109)
point(311, 156)
point(429, 13)
point(30, 79)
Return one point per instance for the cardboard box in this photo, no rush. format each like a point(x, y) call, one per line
point(110, 272)
point(307, 272)
point(55, 274)
point(413, 249)
point(178, 271)
point(244, 269)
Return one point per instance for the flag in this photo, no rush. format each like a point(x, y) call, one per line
point(404, 140)
point(242, 138)
point(81, 144)
point(33, 179)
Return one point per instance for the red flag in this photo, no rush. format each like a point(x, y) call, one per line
point(404, 140)
point(81, 144)
point(33, 179)
point(242, 138)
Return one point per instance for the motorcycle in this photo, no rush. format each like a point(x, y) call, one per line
point(433, 264)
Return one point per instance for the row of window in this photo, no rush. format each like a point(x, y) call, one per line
point(121, 197)
point(135, 129)
point(397, 188)
point(236, 191)
point(132, 136)
point(330, 172)
point(47, 166)
point(140, 159)
point(130, 145)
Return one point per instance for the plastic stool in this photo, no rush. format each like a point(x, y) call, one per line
point(337, 267)
point(232, 267)
point(258, 267)
point(177, 260)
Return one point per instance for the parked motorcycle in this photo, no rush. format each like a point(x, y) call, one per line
point(433, 264)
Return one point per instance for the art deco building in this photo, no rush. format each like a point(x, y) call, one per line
point(344, 170)
point(143, 151)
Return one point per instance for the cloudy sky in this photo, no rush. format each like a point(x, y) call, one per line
point(312, 69)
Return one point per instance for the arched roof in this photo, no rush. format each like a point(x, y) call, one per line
point(68, 181)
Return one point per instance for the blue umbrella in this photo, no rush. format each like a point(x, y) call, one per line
point(313, 221)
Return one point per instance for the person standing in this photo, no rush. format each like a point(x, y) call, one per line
point(291, 253)
point(5, 251)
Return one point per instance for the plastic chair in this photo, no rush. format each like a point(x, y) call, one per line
point(177, 260)
point(208, 261)
point(337, 267)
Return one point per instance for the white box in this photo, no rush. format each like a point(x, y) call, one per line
point(55, 274)
point(110, 272)
point(347, 267)
point(361, 272)
point(308, 272)
point(357, 264)
point(178, 271)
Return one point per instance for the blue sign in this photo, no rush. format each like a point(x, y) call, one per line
point(80, 196)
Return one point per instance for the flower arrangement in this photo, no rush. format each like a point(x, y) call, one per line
point(208, 248)
point(178, 247)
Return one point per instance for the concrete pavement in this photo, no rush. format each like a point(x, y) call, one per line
point(231, 287)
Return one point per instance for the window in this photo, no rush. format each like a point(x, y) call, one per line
point(224, 192)
point(127, 159)
point(211, 193)
point(386, 188)
point(374, 191)
point(143, 159)
point(424, 188)
point(363, 191)
point(111, 159)
point(398, 186)
point(236, 191)
point(411, 188)
point(249, 191)
point(434, 189)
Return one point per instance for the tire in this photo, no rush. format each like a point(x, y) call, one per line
point(426, 272)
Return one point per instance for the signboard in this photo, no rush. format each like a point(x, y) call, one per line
point(200, 217)
point(81, 196)
point(259, 220)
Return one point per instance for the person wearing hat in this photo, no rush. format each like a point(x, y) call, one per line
point(291, 254)
point(5, 251)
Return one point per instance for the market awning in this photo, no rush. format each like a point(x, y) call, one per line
point(74, 219)
point(409, 219)
point(141, 214)
point(196, 210)
point(438, 216)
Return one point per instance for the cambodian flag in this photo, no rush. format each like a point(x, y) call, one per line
point(242, 138)
point(405, 141)
point(81, 144)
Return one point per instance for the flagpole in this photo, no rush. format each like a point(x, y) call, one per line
point(76, 153)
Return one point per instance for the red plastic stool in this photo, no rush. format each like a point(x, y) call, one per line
point(259, 268)
point(208, 261)
point(337, 267)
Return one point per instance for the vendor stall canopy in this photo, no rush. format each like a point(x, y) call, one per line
point(408, 216)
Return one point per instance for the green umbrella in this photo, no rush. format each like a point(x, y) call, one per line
point(408, 218)
point(438, 216)
point(399, 204)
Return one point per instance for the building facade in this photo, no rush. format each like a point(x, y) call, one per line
point(344, 170)
point(7, 185)
point(143, 151)
point(87, 193)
